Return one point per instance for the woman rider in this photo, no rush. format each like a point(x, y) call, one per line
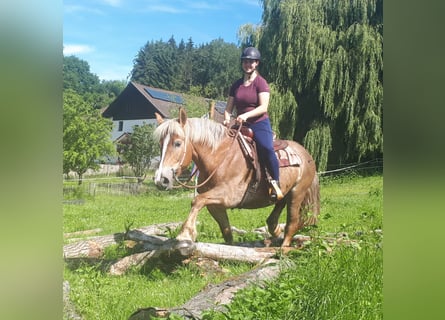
point(250, 96)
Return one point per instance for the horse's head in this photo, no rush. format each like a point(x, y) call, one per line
point(176, 153)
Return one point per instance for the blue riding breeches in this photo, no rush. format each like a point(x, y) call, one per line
point(263, 137)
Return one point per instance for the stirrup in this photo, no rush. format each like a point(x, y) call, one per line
point(275, 191)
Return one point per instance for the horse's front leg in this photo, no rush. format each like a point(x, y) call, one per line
point(188, 229)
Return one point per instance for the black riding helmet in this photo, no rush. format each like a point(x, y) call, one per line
point(251, 53)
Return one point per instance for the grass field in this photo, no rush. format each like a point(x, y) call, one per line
point(329, 281)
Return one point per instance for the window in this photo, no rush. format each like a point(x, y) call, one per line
point(121, 126)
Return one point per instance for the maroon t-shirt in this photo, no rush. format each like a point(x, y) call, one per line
point(246, 97)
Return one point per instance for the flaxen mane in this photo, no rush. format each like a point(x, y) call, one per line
point(203, 131)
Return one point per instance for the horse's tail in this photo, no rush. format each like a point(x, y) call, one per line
point(311, 203)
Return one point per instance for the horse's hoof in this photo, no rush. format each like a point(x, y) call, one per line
point(184, 247)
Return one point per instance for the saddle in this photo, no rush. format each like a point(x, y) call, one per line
point(286, 155)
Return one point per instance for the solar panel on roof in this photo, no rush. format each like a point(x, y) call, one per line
point(161, 95)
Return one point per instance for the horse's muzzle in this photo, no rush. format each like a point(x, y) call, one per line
point(164, 179)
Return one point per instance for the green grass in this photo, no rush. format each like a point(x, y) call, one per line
point(344, 284)
point(329, 280)
point(97, 295)
point(351, 203)
point(112, 213)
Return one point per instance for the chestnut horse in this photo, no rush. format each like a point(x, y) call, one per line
point(225, 174)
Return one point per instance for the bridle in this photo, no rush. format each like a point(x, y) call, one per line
point(231, 133)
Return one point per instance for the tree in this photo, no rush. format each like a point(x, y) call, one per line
point(77, 76)
point(217, 65)
point(86, 135)
point(248, 35)
point(112, 87)
point(329, 56)
point(205, 71)
point(155, 65)
point(141, 149)
point(185, 55)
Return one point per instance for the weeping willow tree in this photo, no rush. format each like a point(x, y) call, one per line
point(326, 57)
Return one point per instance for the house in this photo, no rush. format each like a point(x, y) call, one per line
point(137, 105)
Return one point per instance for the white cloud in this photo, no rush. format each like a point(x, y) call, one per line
point(73, 49)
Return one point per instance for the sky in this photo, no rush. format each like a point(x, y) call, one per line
point(108, 34)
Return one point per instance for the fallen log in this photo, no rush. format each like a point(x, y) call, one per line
point(215, 297)
point(170, 251)
point(121, 266)
point(94, 247)
point(157, 249)
point(234, 253)
point(161, 250)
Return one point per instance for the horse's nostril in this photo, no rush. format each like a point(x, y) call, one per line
point(165, 181)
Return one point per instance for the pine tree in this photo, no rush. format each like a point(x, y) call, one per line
point(155, 65)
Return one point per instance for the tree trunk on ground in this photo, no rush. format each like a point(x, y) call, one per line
point(215, 297)
point(94, 247)
point(150, 247)
point(171, 251)
point(165, 251)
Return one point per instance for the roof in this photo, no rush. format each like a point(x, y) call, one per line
point(159, 98)
point(138, 101)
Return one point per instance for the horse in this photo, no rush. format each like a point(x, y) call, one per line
point(225, 174)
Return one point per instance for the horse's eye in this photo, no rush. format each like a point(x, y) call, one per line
point(177, 144)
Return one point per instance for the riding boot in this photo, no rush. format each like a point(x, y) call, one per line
point(275, 193)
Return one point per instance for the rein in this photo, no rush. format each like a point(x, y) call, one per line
point(232, 133)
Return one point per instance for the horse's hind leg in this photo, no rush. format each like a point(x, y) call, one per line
point(272, 220)
point(293, 221)
point(220, 215)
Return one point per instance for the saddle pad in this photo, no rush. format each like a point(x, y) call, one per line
point(279, 144)
point(288, 157)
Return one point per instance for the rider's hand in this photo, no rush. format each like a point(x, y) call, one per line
point(241, 118)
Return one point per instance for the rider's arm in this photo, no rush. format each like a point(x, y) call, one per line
point(228, 111)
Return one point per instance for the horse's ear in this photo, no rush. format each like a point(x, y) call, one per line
point(159, 118)
point(182, 116)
